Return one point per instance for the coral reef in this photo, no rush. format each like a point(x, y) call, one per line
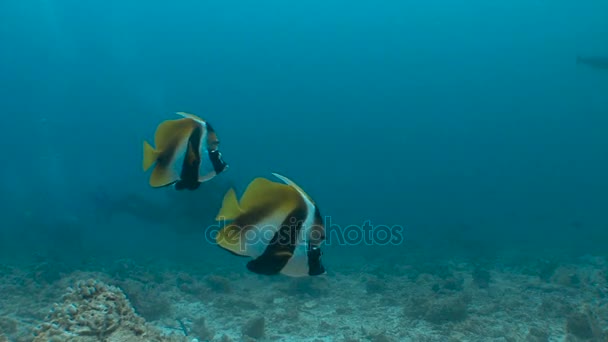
point(453, 301)
point(147, 300)
point(94, 311)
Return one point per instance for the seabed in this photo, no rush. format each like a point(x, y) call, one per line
point(536, 300)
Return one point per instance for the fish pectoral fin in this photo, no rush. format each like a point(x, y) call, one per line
point(230, 207)
point(150, 156)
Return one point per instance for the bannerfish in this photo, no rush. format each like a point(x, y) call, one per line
point(276, 224)
point(186, 153)
point(594, 62)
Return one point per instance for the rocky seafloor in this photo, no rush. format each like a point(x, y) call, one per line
point(536, 300)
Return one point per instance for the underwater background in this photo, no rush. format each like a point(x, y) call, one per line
point(469, 124)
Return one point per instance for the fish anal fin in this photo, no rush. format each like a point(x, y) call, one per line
point(162, 176)
point(229, 238)
point(268, 264)
point(209, 176)
point(181, 185)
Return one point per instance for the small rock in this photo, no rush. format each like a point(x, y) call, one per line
point(200, 329)
point(375, 286)
point(537, 335)
point(310, 305)
point(7, 325)
point(255, 328)
point(481, 278)
point(219, 284)
point(278, 300)
point(583, 325)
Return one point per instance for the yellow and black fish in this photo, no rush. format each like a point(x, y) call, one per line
point(186, 153)
point(276, 224)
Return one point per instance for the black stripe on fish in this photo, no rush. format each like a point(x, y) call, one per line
point(281, 247)
point(191, 166)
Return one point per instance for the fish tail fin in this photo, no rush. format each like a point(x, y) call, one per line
point(150, 156)
point(230, 207)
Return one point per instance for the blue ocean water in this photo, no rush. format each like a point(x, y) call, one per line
point(469, 124)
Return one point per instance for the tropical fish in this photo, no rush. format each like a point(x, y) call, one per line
point(186, 153)
point(594, 62)
point(276, 224)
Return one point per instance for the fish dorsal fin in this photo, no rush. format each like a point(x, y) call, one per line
point(230, 207)
point(262, 192)
point(171, 133)
point(192, 116)
point(294, 185)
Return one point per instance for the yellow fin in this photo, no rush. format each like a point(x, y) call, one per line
point(262, 192)
point(150, 156)
point(230, 207)
point(162, 176)
point(294, 185)
point(171, 133)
